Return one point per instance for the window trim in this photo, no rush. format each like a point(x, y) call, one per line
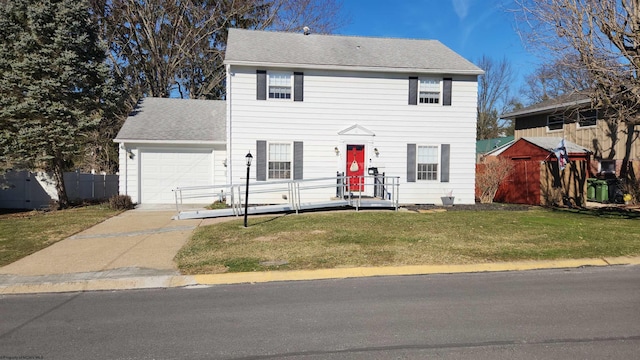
point(595, 118)
point(440, 91)
point(436, 171)
point(291, 85)
point(561, 116)
point(291, 159)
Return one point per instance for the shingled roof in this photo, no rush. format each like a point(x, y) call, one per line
point(296, 50)
point(571, 100)
point(175, 120)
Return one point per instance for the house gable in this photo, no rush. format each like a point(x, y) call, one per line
point(356, 130)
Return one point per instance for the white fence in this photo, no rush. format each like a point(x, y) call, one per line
point(27, 190)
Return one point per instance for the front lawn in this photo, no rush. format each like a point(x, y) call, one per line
point(381, 238)
point(24, 233)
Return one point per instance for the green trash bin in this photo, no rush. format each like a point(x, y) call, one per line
point(602, 191)
point(591, 189)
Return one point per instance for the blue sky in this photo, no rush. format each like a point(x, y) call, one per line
point(471, 28)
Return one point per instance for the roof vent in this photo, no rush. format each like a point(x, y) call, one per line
point(306, 30)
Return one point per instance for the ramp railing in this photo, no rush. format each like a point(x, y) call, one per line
point(383, 189)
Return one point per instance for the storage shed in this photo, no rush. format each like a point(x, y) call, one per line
point(537, 178)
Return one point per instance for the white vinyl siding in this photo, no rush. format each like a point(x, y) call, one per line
point(337, 100)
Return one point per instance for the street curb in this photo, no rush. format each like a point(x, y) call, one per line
point(173, 281)
point(127, 283)
point(298, 275)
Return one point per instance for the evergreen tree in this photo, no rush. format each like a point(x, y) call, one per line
point(53, 84)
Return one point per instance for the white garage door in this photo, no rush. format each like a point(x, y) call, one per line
point(164, 170)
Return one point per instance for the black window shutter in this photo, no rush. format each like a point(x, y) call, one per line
point(446, 92)
point(411, 162)
point(298, 86)
point(261, 89)
point(413, 91)
point(297, 160)
point(261, 160)
point(445, 155)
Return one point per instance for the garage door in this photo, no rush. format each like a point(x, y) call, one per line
point(164, 170)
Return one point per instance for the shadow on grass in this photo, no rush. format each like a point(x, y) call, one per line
point(612, 212)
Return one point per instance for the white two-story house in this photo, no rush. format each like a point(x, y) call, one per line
point(308, 106)
point(311, 106)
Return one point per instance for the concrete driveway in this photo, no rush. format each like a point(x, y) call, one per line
point(133, 244)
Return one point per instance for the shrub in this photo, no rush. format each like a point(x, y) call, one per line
point(121, 202)
point(496, 170)
point(631, 186)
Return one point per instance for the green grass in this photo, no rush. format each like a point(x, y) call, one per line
point(346, 239)
point(24, 233)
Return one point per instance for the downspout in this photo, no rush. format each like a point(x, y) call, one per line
point(229, 126)
point(126, 170)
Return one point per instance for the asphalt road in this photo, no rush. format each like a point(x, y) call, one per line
point(591, 313)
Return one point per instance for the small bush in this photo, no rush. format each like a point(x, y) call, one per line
point(217, 205)
point(631, 186)
point(121, 202)
point(496, 170)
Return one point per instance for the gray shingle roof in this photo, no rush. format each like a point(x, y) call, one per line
point(157, 119)
point(550, 143)
point(296, 50)
point(548, 106)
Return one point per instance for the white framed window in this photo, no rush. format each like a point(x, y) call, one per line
point(429, 91)
point(279, 85)
point(279, 161)
point(555, 122)
point(587, 117)
point(427, 160)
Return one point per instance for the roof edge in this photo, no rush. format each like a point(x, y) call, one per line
point(170, 142)
point(545, 109)
point(354, 68)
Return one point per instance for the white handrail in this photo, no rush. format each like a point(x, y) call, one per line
point(390, 188)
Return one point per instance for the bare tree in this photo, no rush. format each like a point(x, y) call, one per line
point(493, 97)
point(160, 47)
point(493, 172)
point(554, 78)
point(601, 37)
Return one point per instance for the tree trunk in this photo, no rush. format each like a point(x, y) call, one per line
point(624, 170)
point(58, 176)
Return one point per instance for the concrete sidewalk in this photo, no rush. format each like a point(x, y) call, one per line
point(135, 250)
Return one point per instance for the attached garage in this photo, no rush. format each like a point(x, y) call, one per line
point(161, 171)
point(170, 143)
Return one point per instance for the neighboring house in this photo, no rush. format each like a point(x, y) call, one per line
point(485, 146)
point(313, 106)
point(572, 117)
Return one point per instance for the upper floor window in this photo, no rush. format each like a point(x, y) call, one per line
point(555, 122)
point(427, 160)
point(279, 85)
point(588, 117)
point(429, 91)
point(279, 161)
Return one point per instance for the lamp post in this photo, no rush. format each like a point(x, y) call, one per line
point(249, 157)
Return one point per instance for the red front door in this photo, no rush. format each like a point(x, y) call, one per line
point(355, 167)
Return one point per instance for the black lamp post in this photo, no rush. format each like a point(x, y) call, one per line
point(249, 157)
